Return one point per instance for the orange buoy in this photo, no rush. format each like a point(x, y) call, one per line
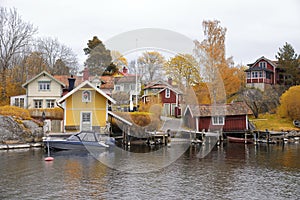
point(49, 158)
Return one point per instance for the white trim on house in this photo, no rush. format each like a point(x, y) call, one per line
point(40, 74)
point(82, 85)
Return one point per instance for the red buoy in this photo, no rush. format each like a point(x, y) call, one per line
point(49, 158)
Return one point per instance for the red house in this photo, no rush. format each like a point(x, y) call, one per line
point(261, 73)
point(231, 117)
point(165, 93)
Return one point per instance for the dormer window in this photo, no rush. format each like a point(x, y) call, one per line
point(263, 65)
point(167, 94)
point(86, 96)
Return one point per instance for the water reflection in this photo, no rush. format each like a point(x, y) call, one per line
point(230, 171)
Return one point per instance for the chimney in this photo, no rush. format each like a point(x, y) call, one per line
point(170, 81)
point(71, 83)
point(125, 70)
point(86, 74)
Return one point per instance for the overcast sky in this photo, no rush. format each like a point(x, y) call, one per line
point(255, 28)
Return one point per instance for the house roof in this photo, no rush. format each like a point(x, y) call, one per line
point(258, 69)
point(235, 108)
point(83, 84)
point(64, 79)
point(160, 84)
point(107, 82)
point(43, 73)
point(273, 63)
point(125, 79)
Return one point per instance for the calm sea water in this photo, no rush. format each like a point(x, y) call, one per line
point(230, 171)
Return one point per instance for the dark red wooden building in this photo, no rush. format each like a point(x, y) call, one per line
point(231, 117)
point(261, 73)
point(165, 93)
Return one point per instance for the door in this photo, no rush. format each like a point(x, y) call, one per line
point(166, 109)
point(86, 121)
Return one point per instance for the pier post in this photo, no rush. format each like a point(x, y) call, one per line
point(203, 137)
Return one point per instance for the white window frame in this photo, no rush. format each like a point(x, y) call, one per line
point(254, 74)
point(44, 85)
point(86, 96)
point(19, 102)
point(50, 103)
point(38, 103)
point(218, 120)
point(167, 93)
point(263, 65)
point(248, 75)
point(118, 88)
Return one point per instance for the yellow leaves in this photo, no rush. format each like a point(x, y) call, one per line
point(218, 73)
point(183, 69)
point(15, 112)
point(290, 104)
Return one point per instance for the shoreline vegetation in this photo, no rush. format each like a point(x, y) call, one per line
point(273, 122)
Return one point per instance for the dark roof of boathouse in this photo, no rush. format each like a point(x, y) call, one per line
point(205, 110)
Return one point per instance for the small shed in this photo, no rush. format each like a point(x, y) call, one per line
point(231, 117)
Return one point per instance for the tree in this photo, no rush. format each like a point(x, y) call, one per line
point(31, 65)
point(290, 104)
point(119, 60)
point(183, 69)
point(219, 73)
point(53, 51)
point(288, 63)
point(15, 35)
point(150, 66)
point(99, 57)
point(60, 68)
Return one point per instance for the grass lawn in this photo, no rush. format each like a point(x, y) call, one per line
point(273, 122)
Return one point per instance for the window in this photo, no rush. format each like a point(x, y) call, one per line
point(248, 75)
point(126, 87)
point(86, 117)
point(254, 74)
point(218, 120)
point(19, 102)
point(263, 65)
point(260, 74)
point(44, 85)
point(167, 94)
point(118, 88)
point(132, 86)
point(38, 103)
point(50, 103)
point(86, 96)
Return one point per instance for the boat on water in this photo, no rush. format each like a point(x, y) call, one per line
point(239, 140)
point(296, 123)
point(83, 140)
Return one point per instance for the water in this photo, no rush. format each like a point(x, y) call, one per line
point(231, 171)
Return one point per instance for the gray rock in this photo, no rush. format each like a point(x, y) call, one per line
point(27, 131)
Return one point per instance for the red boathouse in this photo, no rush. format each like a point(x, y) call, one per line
point(231, 117)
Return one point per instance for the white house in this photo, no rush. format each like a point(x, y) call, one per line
point(42, 91)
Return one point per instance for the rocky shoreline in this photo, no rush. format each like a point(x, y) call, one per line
point(18, 133)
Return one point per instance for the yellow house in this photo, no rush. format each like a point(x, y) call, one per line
point(85, 108)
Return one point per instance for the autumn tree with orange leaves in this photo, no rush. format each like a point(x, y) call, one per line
point(221, 78)
point(290, 104)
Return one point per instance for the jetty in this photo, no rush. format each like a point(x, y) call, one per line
point(20, 146)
